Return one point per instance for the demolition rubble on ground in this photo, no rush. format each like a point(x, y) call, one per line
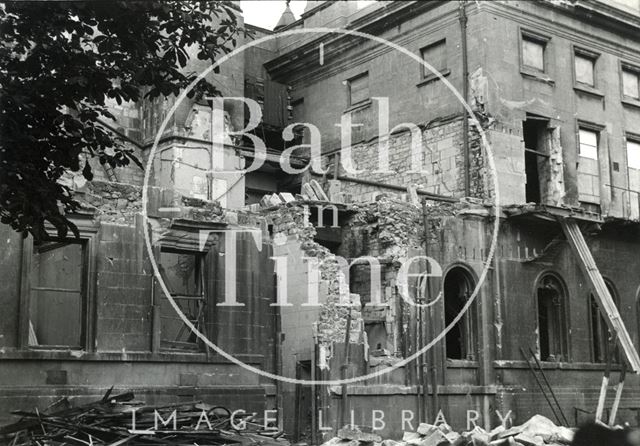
point(538, 431)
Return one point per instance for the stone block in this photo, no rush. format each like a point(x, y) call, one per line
point(348, 433)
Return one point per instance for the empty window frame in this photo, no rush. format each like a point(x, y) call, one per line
point(533, 51)
point(602, 340)
point(535, 132)
point(57, 298)
point(461, 340)
point(435, 55)
point(630, 81)
point(358, 89)
point(183, 275)
point(551, 299)
point(588, 143)
point(584, 63)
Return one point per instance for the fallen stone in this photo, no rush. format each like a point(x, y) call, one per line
point(509, 441)
point(477, 437)
point(454, 438)
point(287, 197)
point(496, 431)
point(435, 438)
point(426, 429)
point(392, 443)
point(527, 440)
point(347, 433)
point(564, 435)
point(511, 432)
point(445, 428)
point(412, 438)
point(337, 441)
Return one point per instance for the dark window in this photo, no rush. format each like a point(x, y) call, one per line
point(533, 52)
point(535, 132)
point(631, 82)
point(358, 89)
point(601, 338)
point(57, 294)
point(552, 330)
point(461, 339)
point(436, 56)
point(183, 274)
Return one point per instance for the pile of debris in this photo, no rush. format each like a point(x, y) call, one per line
point(538, 431)
point(120, 420)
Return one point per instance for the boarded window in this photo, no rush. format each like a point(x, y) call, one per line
point(358, 89)
point(436, 56)
point(533, 53)
point(57, 298)
point(584, 66)
point(588, 144)
point(633, 154)
point(631, 83)
point(182, 272)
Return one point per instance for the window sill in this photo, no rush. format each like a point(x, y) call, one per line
point(358, 106)
point(432, 77)
point(462, 364)
point(631, 102)
point(140, 356)
point(586, 89)
point(585, 366)
point(537, 75)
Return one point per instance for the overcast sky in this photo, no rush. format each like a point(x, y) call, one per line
point(266, 14)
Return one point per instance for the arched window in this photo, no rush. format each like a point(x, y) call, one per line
point(601, 337)
point(461, 340)
point(551, 297)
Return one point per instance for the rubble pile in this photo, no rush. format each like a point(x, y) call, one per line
point(537, 431)
point(119, 420)
point(116, 202)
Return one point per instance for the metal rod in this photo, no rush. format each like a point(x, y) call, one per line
point(465, 95)
point(553, 395)
point(544, 393)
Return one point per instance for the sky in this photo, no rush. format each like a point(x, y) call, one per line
point(266, 14)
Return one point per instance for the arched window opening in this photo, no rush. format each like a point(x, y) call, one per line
point(602, 341)
point(552, 330)
point(461, 339)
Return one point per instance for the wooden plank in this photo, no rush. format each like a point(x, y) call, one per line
point(308, 192)
point(318, 190)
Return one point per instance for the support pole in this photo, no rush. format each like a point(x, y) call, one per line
point(345, 367)
point(616, 401)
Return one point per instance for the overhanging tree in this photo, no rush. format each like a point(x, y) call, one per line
point(59, 61)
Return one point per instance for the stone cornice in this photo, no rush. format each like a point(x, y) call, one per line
point(302, 58)
point(575, 11)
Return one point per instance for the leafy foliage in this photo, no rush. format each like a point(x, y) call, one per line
point(59, 61)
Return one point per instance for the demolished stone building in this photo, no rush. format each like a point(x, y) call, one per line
point(549, 145)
